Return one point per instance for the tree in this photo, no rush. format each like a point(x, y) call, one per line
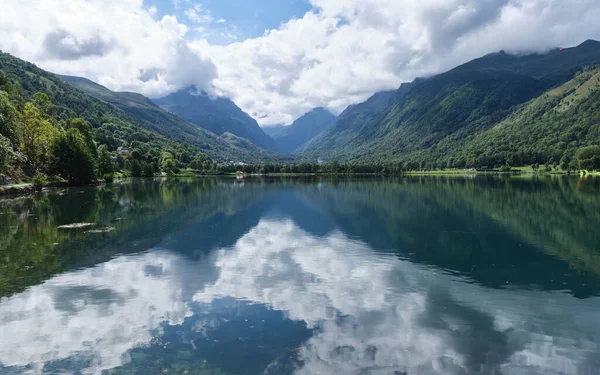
point(136, 168)
point(36, 136)
point(8, 117)
point(588, 158)
point(165, 156)
point(147, 170)
point(7, 155)
point(72, 159)
point(185, 158)
point(169, 166)
point(42, 101)
point(105, 163)
point(86, 131)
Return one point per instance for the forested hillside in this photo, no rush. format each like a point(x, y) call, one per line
point(500, 109)
point(49, 128)
point(559, 127)
point(222, 146)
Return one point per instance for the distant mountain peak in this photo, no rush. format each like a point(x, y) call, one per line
point(305, 128)
point(216, 114)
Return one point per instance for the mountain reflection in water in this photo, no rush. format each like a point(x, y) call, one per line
point(416, 276)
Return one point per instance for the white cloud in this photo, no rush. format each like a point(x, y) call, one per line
point(101, 312)
point(198, 15)
point(336, 55)
point(119, 44)
point(348, 50)
point(373, 313)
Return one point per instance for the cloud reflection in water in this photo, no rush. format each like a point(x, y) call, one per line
point(372, 313)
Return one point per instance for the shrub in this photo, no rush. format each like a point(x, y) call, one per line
point(39, 182)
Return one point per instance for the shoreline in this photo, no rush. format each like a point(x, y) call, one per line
point(17, 190)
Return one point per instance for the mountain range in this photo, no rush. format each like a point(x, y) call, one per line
point(223, 147)
point(471, 115)
point(498, 109)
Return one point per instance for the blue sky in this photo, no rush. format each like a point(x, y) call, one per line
point(224, 22)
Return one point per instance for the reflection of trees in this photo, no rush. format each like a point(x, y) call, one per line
point(457, 224)
point(142, 214)
point(476, 226)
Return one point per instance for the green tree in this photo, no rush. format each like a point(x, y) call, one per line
point(136, 168)
point(8, 117)
point(185, 158)
point(72, 159)
point(588, 158)
point(147, 170)
point(165, 156)
point(36, 136)
point(42, 101)
point(105, 163)
point(86, 131)
point(7, 155)
point(169, 166)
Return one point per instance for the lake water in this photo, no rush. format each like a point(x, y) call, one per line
point(303, 276)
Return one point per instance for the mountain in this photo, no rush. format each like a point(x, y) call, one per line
point(275, 130)
point(217, 115)
point(432, 119)
point(305, 128)
point(551, 128)
point(226, 147)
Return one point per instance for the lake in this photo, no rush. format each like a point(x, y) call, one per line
point(421, 275)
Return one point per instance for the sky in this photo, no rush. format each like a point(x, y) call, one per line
point(278, 59)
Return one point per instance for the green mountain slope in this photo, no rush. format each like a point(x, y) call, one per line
point(305, 128)
point(550, 128)
point(217, 115)
point(226, 147)
point(51, 128)
point(430, 120)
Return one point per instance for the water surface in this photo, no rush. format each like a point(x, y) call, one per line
point(303, 276)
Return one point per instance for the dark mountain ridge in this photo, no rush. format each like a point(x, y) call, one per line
point(217, 115)
point(305, 128)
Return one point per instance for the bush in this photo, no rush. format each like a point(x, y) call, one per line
point(39, 182)
point(505, 168)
